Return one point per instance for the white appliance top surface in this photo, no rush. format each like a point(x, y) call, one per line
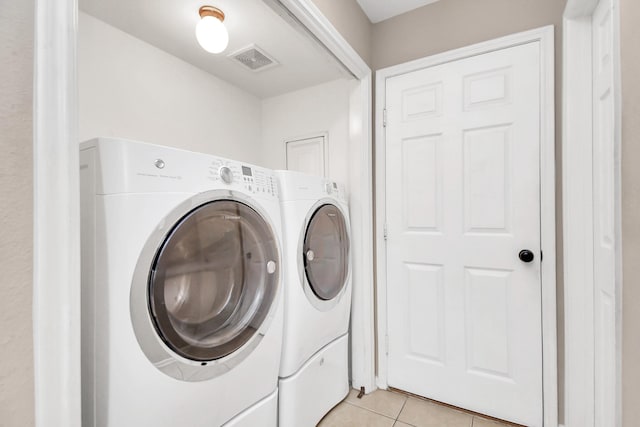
point(137, 167)
point(301, 186)
point(379, 10)
point(170, 26)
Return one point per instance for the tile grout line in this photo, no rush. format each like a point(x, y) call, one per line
point(406, 399)
point(355, 403)
point(403, 405)
point(369, 410)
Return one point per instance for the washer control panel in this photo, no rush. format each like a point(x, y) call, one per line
point(252, 179)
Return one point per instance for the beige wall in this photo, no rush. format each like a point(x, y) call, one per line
point(630, 64)
point(16, 212)
point(450, 24)
point(347, 17)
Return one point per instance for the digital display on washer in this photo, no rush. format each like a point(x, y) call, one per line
point(246, 171)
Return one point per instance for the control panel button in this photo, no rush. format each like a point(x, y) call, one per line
point(225, 174)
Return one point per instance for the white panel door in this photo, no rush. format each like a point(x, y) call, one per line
point(307, 155)
point(463, 199)
point(604, 215)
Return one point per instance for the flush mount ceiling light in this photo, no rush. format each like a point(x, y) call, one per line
point(210, 31)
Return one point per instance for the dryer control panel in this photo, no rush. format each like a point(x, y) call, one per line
point(252, 179)
point(336, 190)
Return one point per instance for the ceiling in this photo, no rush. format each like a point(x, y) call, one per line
point(170, 25)
point(379, 10)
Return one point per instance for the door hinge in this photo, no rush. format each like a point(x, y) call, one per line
point(541, 256)
point(384, 117)
point(385, 231)
point(386, 344)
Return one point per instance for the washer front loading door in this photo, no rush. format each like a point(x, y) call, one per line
point(210, 287)
point(325, 255)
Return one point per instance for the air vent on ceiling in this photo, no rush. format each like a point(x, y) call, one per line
point(254, 58)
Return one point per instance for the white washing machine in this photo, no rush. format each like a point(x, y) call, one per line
point(181, 296)
point(314, 367)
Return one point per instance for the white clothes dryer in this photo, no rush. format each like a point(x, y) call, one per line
point(181, 288)
point(314, 367)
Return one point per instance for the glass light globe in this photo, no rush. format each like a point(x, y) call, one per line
point(212, 34)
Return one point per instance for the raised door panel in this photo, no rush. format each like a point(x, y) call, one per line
point(422, 183)
point(422, 101)
point(425, 314)
point(487, 179)
point(488, 344)
point(487, 88)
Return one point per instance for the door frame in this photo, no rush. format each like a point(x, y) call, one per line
point(56, 216)
point(577, 179)
point(545, 36)
point(56, 277)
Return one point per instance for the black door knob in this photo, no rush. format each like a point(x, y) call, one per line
point(525, 255)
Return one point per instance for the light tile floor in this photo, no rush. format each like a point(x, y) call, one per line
point(392, 409)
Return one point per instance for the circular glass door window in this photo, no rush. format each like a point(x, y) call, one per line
point(326, 252)
point(213, 280)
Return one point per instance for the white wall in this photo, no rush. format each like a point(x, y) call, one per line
point(130, 89)
point(16, 213)
point(315, 110)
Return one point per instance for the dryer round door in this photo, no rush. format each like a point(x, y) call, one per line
point(325, 253)
point(211, 284)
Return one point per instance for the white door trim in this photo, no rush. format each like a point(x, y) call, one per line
point(308, 14)
point(577, 180)
point(56, 261)
point(547, 176)
point(56, 285)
